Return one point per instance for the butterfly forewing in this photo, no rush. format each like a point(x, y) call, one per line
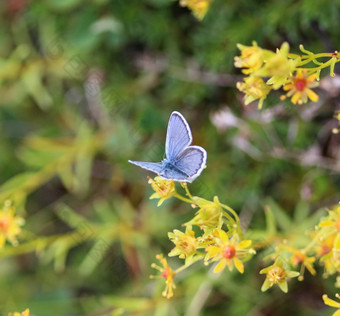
point(191, 162)
point(155, 167)
point(178, 136)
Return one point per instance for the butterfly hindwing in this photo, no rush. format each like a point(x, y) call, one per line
point(178, 136)
point(175, 175)
point(191, 162)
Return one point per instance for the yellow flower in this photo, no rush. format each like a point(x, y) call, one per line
point(332, 259)
point(209, 215)
point(324, 246)
point(332, 303)
point(277, 274)
point(198, 7)
point(185, 244)
point(251, 58)
point(167, 273)
point(9, 224)
point(300, 257)
point(332, 221)
point(26, 312)
point(278, 67)
point(299, 87)
point(164, 189)
point(227, 251)
point(254, 88)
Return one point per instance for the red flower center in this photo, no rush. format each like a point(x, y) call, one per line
point(300, 84)
point(325, 249)
point(166, 273)
point(298, 258)
point(229, 252)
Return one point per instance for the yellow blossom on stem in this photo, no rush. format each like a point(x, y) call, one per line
point(332, 303)
point(198, 7)
point(26, 312)
point(228, 251)
point(299, 87)
point(9, 224)
point(164, 189)
point(167, 273)
point(277, 274)
point(300, 257)
point(279, 67)
point(209, 214)
point(252, 57)
point(332, 259)
point(332, 221)
point(254, 88)
point(186, 244)
point(324, 246)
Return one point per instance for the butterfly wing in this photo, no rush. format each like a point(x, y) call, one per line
point(191, 162)
point(178, 136)
point(155, 167)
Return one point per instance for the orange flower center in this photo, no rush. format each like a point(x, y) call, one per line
point(229, 252)
point(300, 84)
point(276, 274)
point(325, 249)
point(298, 258)
point(337, 225)
point(4, 223)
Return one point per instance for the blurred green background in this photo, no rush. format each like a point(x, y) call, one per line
point(87, 85)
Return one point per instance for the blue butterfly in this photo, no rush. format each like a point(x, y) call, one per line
point(183, 163)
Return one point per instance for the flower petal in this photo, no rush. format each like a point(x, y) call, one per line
point(266, 285)
point(224, 237)
point(220, 266)
point(330, 302)
point(283, 286)
point(312, 95)
point(244, 244)
point(239, 265)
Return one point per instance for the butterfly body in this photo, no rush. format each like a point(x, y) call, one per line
point(183, 163)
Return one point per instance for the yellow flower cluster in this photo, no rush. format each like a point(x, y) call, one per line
point(198, 7)
point(267, 70)
point(324, 245)
point(328, 241)
point(214, 244)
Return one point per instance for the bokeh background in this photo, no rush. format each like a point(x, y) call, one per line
point(87, 85)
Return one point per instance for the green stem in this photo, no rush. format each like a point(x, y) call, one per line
point(315, 69)
point(238, 224)
point(187, 190)
point(197, 258)
point(182, 198)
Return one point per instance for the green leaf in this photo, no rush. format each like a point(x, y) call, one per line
point(282, 219)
